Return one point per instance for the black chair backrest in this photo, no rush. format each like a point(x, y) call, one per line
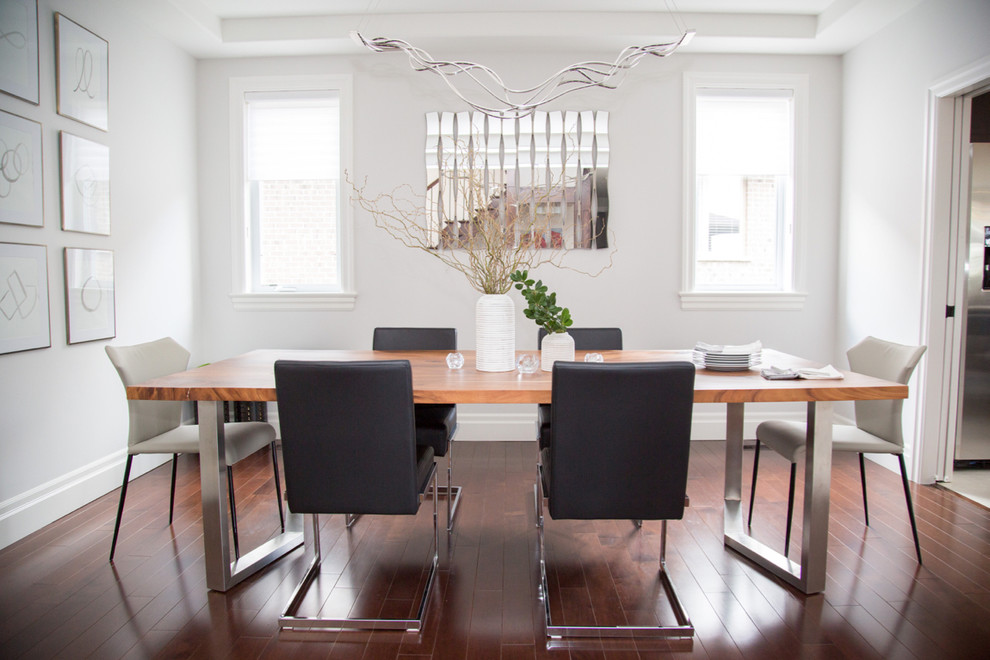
point(621, 440)
point(591, 339)
point(348, 436)
point(414, 339)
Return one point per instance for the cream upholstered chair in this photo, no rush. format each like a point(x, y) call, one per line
point(156, 426)
point(877, 431)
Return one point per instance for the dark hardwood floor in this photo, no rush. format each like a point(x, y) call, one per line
point(59, 596)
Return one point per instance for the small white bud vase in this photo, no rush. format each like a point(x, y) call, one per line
point(556, 346)
point(495, 333)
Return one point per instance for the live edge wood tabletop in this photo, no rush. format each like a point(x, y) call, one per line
point(250, 377)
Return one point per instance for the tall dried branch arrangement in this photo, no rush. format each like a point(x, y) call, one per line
point(479, 229)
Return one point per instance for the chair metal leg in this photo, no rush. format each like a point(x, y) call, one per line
point(683, 629)
point(451, 492)
point(278, 487)
point(233, 511)
point(862, 478)
point(292, 621)
point(120, 505)
point(752, 488)
point(171, 495)
point(790, 510)
point(350, 519)
point(910, 506)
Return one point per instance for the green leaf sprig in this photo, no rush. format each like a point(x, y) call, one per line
point(542, 304)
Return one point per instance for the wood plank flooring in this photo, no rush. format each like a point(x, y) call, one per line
point(61, 598)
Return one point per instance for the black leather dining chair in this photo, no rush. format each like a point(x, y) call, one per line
point(349, 446)
point(436, 424)
point(585, 339)
point(620, 444)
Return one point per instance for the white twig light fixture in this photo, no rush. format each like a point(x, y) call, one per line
point(521, 102)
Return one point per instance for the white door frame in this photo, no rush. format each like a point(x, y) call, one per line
point(946, 229)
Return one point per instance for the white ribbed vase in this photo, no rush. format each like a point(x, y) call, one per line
point(556, 346)
point(495, 333)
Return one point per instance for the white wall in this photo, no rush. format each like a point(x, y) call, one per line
point(400, 286)
point(885, 91)
point(64, 418)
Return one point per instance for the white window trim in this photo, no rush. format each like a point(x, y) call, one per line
point(241, 296)
point(792, 298)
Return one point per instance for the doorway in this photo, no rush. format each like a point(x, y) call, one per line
point(956, 427)
point(971, 451)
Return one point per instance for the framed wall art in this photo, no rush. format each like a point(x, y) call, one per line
point(89, 295)
point(82, 74)
point(19, 49)
point(21, 193)
point(85, 181)
point(24, 322)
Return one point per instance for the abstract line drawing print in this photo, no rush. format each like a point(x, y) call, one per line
point(89, 294)
point(82, 73)
point(85, 176)
point(19, 49)
point(21, 198)
point(18, 300)
point(23, 298)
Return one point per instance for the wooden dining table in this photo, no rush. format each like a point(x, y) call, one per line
point(250, 377)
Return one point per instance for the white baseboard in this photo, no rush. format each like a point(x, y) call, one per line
point(496, 426)
point(28, 512)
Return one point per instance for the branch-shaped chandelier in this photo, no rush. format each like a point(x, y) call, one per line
point(522, 102)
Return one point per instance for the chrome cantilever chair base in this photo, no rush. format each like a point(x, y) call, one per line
point(444, 492)
point(290, 620)
point(683, 629)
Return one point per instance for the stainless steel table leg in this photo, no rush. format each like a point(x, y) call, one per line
point(221, 573)
point(817, 484)
point(809, 575)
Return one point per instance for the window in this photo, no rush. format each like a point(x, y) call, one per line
point(290, 217)
point(742, 187)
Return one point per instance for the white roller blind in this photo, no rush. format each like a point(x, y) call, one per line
point(292, 135)
point(744, 134)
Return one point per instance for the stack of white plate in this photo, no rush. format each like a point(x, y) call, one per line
point(727, 358)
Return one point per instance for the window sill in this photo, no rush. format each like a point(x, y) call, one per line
point(293, 301)
point(742, 300)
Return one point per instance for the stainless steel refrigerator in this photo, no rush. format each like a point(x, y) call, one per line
point(973, 440)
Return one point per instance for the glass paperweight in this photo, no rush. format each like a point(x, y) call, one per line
point(593, 357)
point(455, 360)
point(527, 363)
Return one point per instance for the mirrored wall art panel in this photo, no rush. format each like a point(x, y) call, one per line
point(89, 295)
point(24, 321)
point(19, 49)
point(21, 189)
point(85, 180)
point(82, 73)
point(544, 175)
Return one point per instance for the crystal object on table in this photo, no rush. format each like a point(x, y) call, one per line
point(593, 357)
point(455, 360)
point(527, 363)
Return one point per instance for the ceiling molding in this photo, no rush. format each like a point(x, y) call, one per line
point(197, 26)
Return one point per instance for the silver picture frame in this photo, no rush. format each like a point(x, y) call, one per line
point(90, 308)
point(22, 199)
point(82, 74)
point(84, 176)
point(19, 49)
point(24, 317)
